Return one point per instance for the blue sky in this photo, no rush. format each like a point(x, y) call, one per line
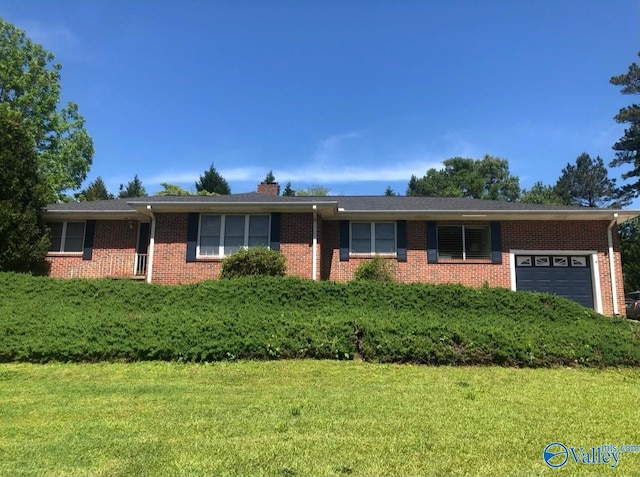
point(352, 95)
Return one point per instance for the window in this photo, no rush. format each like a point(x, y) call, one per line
point(373, 237)
point(66, 236)
point(464, 241)
point(221, 235)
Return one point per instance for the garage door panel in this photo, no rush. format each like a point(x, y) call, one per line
point(572, 282)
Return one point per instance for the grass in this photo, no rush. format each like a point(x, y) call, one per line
point(296, 418)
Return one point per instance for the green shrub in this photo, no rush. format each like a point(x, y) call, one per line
point(377, 269)
point(248, 262)
point(44, 319)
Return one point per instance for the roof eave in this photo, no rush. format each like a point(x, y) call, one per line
point(483, 215)
point(91, 215)
point(326, 208)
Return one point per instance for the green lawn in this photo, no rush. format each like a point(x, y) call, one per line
point(294, 418)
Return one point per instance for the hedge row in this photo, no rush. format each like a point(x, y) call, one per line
point(43, 319)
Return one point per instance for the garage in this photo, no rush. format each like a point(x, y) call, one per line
point(567, 276)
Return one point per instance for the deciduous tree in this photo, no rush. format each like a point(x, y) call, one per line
point(629, 233)
point(315, 190)
point(30, 85)
point(212, 182)
point(486, 178)
point(541, 194)
point(172, 189)
point(24, 239)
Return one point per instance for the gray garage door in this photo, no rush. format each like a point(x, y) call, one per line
point(566, 276)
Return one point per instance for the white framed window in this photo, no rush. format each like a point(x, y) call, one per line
point(464, 241)
point(220, 235)
point(66, 236)
point(543, 262)
point(373, 237)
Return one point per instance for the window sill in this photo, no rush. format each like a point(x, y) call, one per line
point(373, 255)
point(64, 254)
point(465, 261)
point(210, 259)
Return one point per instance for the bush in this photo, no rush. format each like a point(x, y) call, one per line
point(377, 270)
point(248, 262)
point(44, 319)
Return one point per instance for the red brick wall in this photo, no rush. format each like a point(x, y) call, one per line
point(516, 235)
point(113, 253)
point(170, 265)
point(170, 255)
point(571, 235)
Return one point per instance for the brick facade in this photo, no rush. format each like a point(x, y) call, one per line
point(115, 243)
point(113, 253)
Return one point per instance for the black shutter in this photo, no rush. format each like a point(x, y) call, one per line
point(401, 230)
point(89, 233)
point(432, 242)
point(275, 231)
point(344, 240)
point(496, 243)
point(192, 235)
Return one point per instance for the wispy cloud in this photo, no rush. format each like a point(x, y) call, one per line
point(233, 174)
point(58, 39)
point(398, 171)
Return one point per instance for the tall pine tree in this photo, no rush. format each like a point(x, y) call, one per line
point(628, 146)
point(212, 182)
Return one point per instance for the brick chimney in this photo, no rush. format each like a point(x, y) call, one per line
point(268, 189)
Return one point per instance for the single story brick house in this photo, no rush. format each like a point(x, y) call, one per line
point(570, 251)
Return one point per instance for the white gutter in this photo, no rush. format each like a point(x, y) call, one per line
point(612, 271)
point(314, 244)
point(152, 239)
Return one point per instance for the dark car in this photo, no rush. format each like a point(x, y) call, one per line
point(632, 300)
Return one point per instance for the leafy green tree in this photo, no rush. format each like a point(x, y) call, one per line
point(628, 146)
point(629, 233)
point(134, 188)
point(541, 194)
point(389, 192)
point(24, 239)
point(486, 178)
point(97, 190)
point(288, 191)
point(172, 189)
point(30, 85)
point(213, 183)
point(313, 191)
point(587, 184)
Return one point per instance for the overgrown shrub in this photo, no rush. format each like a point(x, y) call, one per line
point(377, 270)
point(44, 319)
point(248, 262)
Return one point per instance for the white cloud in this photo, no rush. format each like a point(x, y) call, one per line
point(399, 171)
point(58, 39)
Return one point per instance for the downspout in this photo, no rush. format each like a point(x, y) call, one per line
point(612, 271)
point(314, 244)
point(152, 240)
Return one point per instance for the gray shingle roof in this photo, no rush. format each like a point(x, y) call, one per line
point(348, 203)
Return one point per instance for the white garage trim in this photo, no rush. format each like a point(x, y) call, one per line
point(595, 270)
